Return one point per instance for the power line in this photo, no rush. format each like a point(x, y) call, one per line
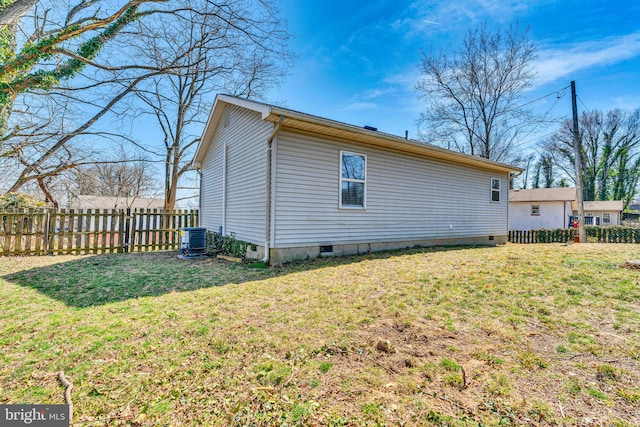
point(583, 104)
point(559, 94)
point(522, 143)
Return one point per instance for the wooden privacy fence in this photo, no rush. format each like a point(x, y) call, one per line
point(51, 232)
point(594, 234)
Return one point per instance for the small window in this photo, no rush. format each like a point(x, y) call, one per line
point(353, 180)
point(535, 210)
point(495, 189)
point(606, 217)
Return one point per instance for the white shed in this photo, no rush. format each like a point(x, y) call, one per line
point(551, 208)
point(304, 186)
point(540, 208)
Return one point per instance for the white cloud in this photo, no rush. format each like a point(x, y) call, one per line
point(500, 8)
point(628, 102)
point(555, 63)
point(370, 94)
point(364, 100)
point(444, 16)
point(406, 80)
point(359, 106)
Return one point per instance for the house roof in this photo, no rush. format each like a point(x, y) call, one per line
point(600, 205)
point(103, 202)
point(296, 120)
point(561, 194)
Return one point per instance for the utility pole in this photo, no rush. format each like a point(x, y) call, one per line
point(578, 164)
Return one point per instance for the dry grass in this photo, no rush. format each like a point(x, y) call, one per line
point(513, 335)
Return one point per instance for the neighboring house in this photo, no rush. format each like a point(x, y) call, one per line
point(550, 208)
point(602, 212)
point(304, 186)
point(103, 202)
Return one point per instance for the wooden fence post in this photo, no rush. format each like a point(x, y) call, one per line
point(127, 230)
point(51, 230)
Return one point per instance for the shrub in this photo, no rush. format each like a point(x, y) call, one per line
point(227, 245)
point(19, 201)
point(612, 234)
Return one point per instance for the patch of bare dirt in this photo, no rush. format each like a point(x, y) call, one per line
point(524, 383)
point(632, 265)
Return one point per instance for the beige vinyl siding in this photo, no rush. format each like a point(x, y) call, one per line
point(246, 137)
point(408, 198)
point(211, 185)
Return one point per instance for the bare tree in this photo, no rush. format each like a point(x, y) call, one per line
point(42, 156)
point(474, 97)
point(59, 46)
point(610, 146)
point(235, 47)
point(188, 50)
point(114, 179)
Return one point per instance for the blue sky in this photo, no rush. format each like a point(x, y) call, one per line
point(358, 62)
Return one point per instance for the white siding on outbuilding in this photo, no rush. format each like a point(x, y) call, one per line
point(615, 218)
point(551, 215)
point(597, 217)
point(245, 134)
point(407, 197)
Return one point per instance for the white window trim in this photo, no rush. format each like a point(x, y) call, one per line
point(499, 190)
point(609, 219)
point(362, 181)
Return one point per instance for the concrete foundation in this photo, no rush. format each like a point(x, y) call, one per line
point(282, 255)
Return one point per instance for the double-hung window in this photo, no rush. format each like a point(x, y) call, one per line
point(353, 180)
point(535, 210)
point(495, 189)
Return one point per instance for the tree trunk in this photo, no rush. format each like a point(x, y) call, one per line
point(12, 13)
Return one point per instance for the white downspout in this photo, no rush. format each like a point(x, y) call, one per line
point(267, 220)
point(511, 176)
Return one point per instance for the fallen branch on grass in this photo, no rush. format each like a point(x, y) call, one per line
point(67, 393)
point(464, 378)
point(388, 369)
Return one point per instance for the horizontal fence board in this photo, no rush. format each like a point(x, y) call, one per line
point(53, 232)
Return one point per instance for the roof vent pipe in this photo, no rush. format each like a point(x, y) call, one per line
point(406, 134)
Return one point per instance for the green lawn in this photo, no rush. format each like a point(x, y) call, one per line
point(511, 335)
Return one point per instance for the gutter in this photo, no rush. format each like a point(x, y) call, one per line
point(267, 219)
point(514, 175)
